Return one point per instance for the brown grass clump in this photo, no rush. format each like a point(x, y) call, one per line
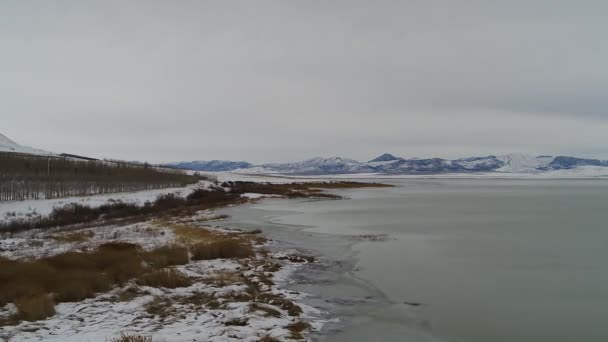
point(267, 338)
point(267, 310)
point(131, 338)
point(74, 276)
point(240, 322)
point(222, 249)
point(188, 234)
point(165, 278)
point(285, 304)
point(297, 328)
point(166, 256)
point(34, 308)
point(160, 306)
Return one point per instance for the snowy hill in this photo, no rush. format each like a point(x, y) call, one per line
point(333, 165)
point(212, 165)
point(388, 164)
point(7, 145)
point(517, 162)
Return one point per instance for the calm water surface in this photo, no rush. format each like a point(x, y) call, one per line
point(487, 260)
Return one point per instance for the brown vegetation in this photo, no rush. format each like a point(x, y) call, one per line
point(34, 308)
point(297, 328)
point(131, 338)
point(164, 278)
point(74, 276)
point(222, 249)
point(165, 204)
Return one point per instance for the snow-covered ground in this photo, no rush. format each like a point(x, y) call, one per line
point(184, 314)
point(26, 209)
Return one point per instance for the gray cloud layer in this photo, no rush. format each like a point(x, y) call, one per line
point(280, 80)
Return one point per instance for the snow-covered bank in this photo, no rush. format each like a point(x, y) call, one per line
point(27, 209)
point(229, 299)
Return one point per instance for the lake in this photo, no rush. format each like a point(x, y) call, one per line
point(451, 259)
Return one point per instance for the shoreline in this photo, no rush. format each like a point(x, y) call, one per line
point(284, 312)
point(338, 262)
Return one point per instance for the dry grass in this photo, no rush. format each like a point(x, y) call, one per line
point(161, 306)
point(131, 338)
point(34, 308)
point(166, 256)
point(238, 321)
point(268, 338)
point(74, 276)
point(170, 279)
point(297, 328)
point(278, 301)
point(221, 279)
point(188, 234)
point(128, 294)
point(226, 248)
point(267, 310)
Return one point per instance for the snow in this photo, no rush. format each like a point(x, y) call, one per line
point(7, 145)
point(518, 162)
point(26, 209)
point(101, 318)
point(104, 317)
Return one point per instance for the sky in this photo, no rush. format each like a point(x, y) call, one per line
point(271, 81)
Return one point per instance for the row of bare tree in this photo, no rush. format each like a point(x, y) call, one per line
point(25, 177)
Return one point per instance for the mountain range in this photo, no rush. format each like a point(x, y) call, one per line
point(392, 165)
point(384, 164)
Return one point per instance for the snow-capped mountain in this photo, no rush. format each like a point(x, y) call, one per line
point(317, 166)
point(7, 145)
point(391, 165)
point(212, 165)
point(567, 163)
point(518, 162)
point(387, 157)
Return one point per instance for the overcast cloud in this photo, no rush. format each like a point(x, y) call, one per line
point(271, 81)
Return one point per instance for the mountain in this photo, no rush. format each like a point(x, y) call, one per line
point(517, 162)
point(7, 145)
point(212, 165)
point(320, 166)
point(389, 164)
point(567, 163)
point(384, 158)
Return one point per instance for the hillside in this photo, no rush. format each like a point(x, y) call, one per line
point(7, 145)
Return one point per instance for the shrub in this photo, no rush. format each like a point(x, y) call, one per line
point(222, 249)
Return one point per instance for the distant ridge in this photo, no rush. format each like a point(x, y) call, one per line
point(390, 164)
point(212, 165)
